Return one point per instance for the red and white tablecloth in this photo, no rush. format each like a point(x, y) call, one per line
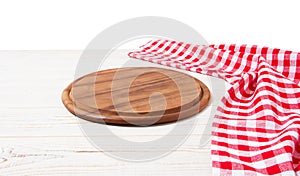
point(258, 124)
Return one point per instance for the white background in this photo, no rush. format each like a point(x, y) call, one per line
point(58, 24)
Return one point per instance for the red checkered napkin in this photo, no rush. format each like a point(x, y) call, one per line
point(258, 124)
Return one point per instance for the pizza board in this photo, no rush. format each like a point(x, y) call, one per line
point(139, 96)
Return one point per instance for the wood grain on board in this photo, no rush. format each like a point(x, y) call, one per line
point(136, 96)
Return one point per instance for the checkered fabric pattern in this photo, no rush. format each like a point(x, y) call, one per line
point(258, 124)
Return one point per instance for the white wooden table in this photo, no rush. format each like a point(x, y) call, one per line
point(38, 136)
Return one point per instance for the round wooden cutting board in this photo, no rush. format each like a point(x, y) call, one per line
point(135, 96)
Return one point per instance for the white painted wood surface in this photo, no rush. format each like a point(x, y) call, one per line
point(38, 136)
